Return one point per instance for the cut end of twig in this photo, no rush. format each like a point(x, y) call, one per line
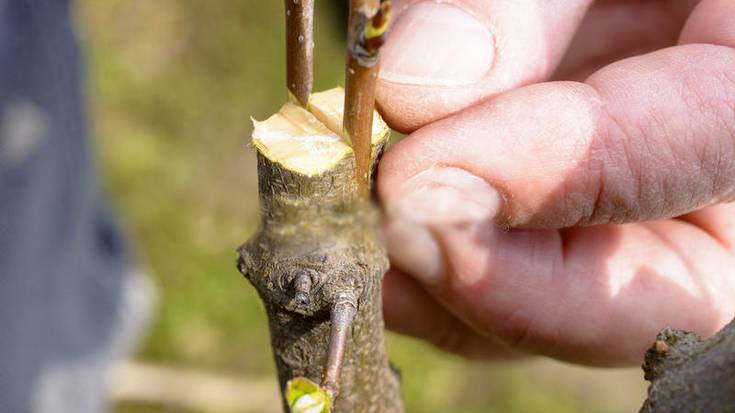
point(309, 142)
point(374, 35)
point(367, 8)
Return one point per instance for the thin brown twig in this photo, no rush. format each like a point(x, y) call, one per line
point(300, 49)
point(367, 28)
point(343, 313)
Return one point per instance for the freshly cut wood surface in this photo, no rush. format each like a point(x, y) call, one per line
point(310, 142)
point(328, 106)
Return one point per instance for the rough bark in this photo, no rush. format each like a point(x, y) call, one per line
point(318, 261)
point(689, 375)
point(318, 245)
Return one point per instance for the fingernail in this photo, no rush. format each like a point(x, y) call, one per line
point(435, 198)
point(437, 44)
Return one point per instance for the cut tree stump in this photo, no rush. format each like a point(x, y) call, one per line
point(318, 257)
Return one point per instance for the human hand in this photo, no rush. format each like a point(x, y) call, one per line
point(573, 219)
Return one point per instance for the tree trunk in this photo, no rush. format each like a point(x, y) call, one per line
point(689, 375)
point(318, 256)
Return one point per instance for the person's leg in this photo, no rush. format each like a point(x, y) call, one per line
point(63, 265)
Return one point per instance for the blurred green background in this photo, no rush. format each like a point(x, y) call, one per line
point(172, 85)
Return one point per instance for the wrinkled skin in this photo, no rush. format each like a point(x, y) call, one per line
point(566, 175)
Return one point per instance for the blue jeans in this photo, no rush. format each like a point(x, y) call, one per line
point(62, 260)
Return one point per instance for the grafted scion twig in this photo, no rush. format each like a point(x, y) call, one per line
point(300, 49)
point(368, 25)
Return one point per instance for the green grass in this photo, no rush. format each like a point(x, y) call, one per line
point(172, 86)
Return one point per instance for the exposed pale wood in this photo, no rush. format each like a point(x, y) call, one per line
point(310, 142)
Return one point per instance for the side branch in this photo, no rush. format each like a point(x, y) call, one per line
point(300, 49)
point(343, 313)
point(368, 25)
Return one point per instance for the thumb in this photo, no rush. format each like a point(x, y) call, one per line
point(646, 138)
point(444, 56)
point(628, 146)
